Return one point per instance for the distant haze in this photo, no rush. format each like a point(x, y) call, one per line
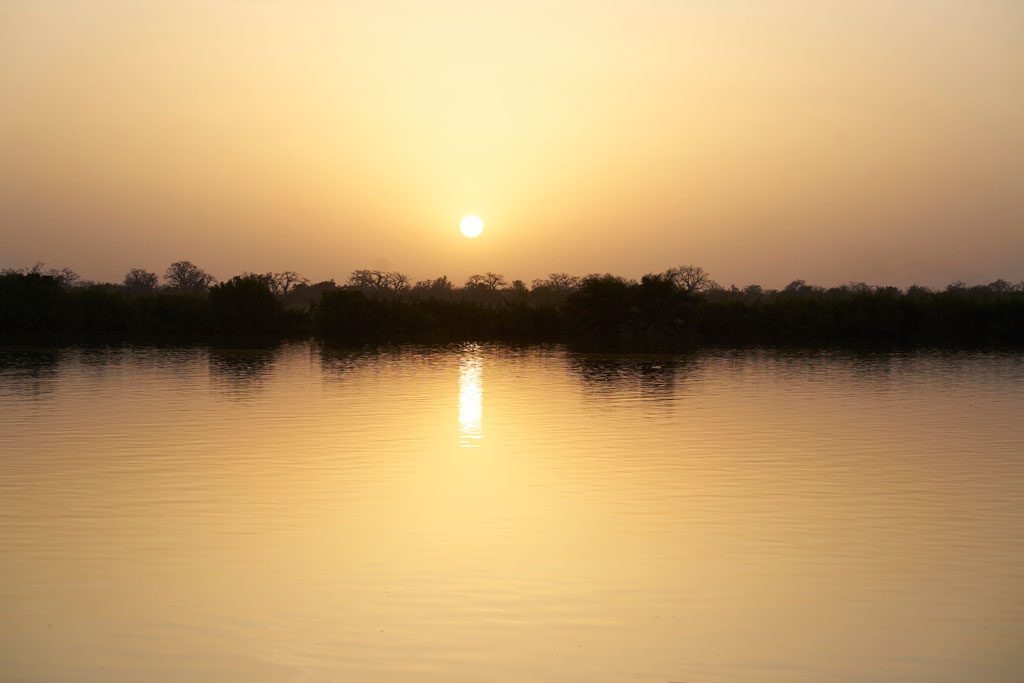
point(765, 141)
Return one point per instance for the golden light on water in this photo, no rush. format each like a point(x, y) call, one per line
point(471, 226)
point(470, 396)
point(310, 512)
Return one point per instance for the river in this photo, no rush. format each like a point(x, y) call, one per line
point(494, 513)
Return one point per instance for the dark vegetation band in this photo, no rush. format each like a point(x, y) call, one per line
point(678, 308)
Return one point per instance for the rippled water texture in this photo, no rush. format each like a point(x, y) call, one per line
point(495, 514)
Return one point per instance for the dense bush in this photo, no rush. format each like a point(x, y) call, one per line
point(246, 306)
point(351, 315)
point(37, 306)
point(671, 310)
point(31, 304)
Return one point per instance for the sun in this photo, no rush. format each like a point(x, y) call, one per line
point(471, 226)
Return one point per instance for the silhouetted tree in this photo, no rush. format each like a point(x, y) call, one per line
point(600, 309)
point(267, 279)
point(286, 280)
point(65, 276)
point(437, 283)
point(1000, 286)
point(36, 269)
point(659, 311)
point(491, 281)
point(377, 281)
point(518, 289)
point(689, 278)
point(185, 276)
point(438, 288)
point(246, 305)
point(553, 290)
point(303, 295)
point(140, 280)
point(559, 282)
point(801, 288)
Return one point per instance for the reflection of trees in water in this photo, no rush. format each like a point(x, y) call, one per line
point(237, 371)
point(340, 362)
point(825, 366)
point(653, 378)
point(173, 359)
point(880, 368)
point(30, 374)
point(95, 363)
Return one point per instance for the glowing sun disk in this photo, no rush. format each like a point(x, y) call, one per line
point(471, 226)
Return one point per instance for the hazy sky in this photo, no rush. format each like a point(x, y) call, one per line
point(766, 141)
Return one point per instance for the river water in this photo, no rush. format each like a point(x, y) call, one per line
point(487, 513)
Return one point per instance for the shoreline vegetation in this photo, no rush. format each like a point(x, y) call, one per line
point(678, 309)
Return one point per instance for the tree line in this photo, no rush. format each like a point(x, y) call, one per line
point(674, 309)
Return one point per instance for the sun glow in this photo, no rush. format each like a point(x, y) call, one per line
point(471, 226)
point(470, 396)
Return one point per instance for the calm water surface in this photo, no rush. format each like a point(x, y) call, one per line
point(482, 513)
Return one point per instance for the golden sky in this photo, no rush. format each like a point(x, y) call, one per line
point(765, 141)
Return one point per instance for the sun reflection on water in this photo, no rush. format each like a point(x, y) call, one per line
point(470, 396)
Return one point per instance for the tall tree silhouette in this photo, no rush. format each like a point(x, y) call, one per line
point(378, 281)
point(491, 281)
point(286, 280)
point(140, 280)
point(689, 278)
point(185, 276)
